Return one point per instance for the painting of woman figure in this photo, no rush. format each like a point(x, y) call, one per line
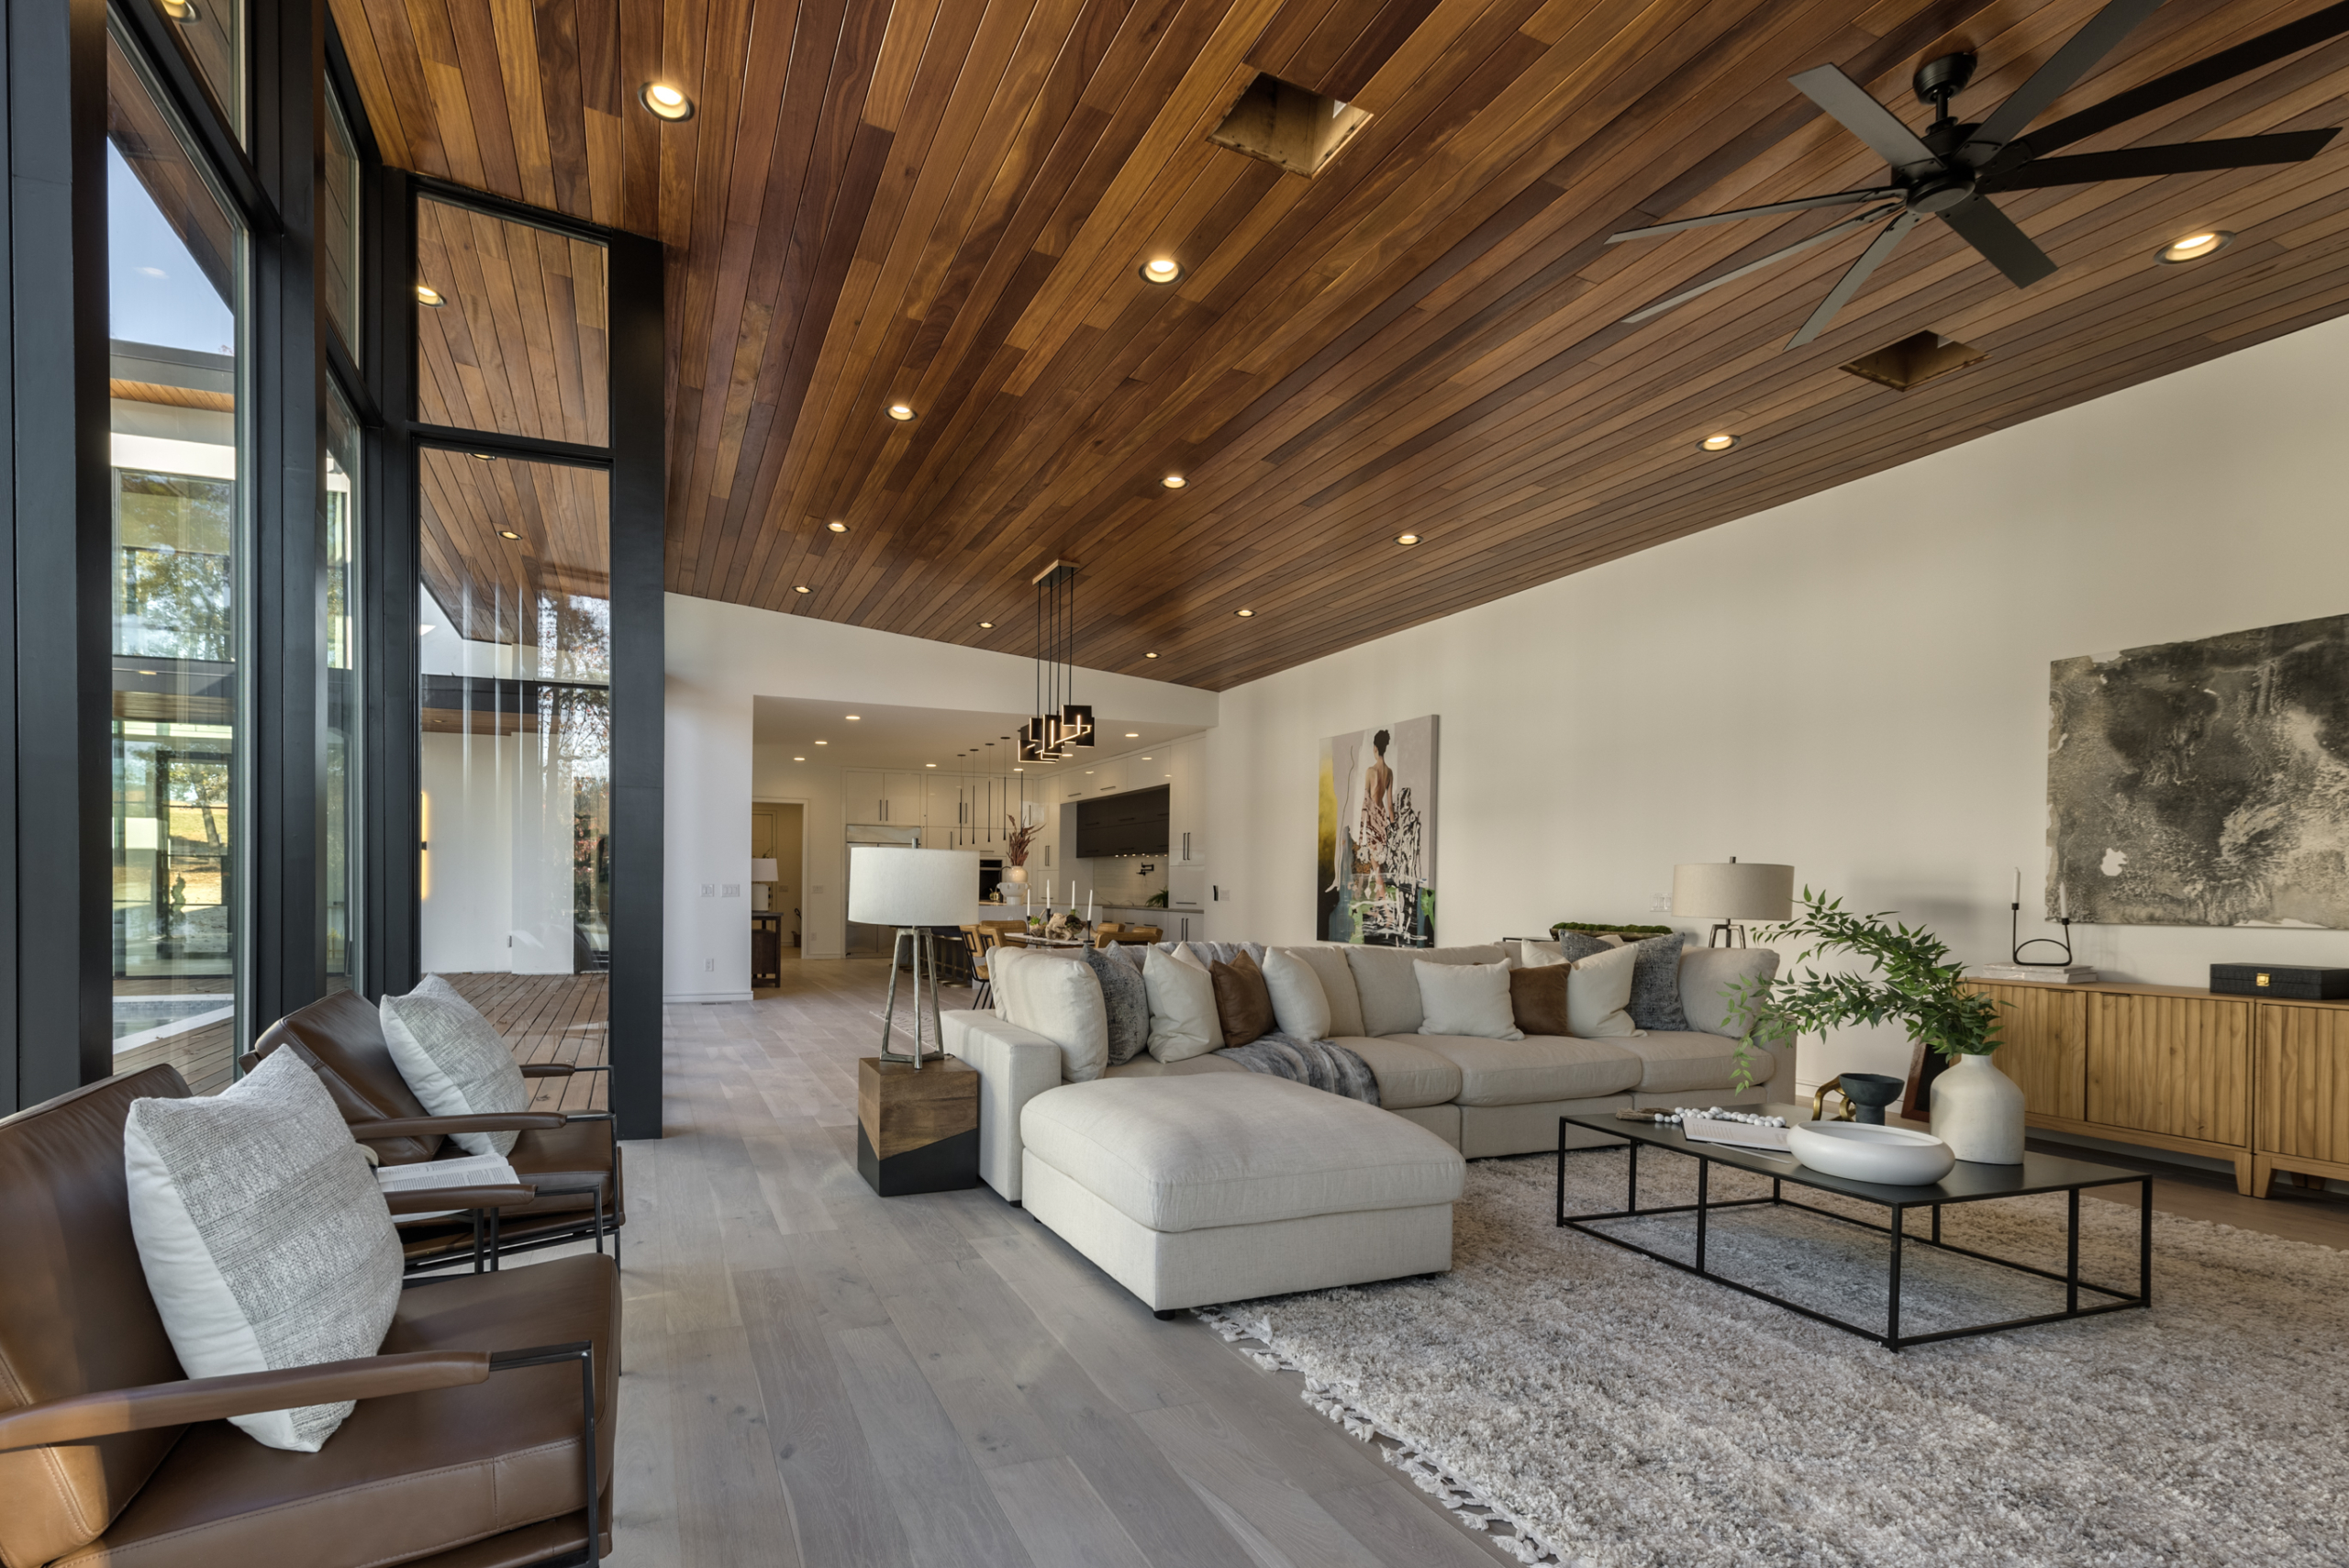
point(1376, 882)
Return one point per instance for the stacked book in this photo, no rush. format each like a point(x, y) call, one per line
point(2042, 973)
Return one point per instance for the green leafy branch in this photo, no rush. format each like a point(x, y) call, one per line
point(1912, 983)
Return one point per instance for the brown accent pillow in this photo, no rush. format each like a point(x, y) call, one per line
point(1243, 1003)
point(1537, 998)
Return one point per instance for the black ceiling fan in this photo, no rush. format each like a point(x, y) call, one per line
point(1952, 171)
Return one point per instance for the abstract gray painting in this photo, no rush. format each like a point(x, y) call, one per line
point(2203, 784)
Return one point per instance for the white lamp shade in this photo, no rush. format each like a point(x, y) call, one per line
point(892, 886)
point(1735, 890)
point(764, 870)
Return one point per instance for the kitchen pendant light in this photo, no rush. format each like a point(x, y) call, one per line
point(1060, 724)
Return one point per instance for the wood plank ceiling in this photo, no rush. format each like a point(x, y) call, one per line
point(945, 202)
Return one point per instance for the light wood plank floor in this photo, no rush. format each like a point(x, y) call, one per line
point(819, 1376)
point(816, 1375)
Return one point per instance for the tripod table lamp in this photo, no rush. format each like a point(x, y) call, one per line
point(912, 890)
point(1732, 892)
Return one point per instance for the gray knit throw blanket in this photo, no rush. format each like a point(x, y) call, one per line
point(1316, 1064)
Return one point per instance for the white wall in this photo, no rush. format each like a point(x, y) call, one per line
point(1855, 683)
point(721, 657)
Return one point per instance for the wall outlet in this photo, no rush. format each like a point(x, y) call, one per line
point(709, 890)
point(733, 890)
point(815, 890)
point(709, 966)
point(1661, 904)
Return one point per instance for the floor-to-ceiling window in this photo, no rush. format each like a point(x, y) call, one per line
point(339, 497)
point(176, 282)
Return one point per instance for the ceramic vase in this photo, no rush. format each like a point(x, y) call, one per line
point(1977, 1111)
point(1015, 873)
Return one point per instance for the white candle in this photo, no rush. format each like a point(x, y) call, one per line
point(2018, 885)
point(2063, 902)
point(1088, 907)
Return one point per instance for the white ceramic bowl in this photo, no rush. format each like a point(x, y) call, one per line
point(1892, 1155)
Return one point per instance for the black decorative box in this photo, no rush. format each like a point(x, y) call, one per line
point(2293, 982)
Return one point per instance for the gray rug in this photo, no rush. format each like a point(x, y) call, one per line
point(1592, 1406)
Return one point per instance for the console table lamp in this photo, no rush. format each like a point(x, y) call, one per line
point(762, 874)
point(912, 890)
point(1730, 893)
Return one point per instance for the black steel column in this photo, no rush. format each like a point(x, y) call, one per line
point(285, 741)
point(55, 537)
point(390, 927)
point(640, 495)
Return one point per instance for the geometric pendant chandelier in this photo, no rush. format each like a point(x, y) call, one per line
point(1060, 724)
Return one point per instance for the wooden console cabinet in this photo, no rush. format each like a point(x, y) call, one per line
point(2263, 1084)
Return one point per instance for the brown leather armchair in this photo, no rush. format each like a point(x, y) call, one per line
point(482, 1436)
point(573, 1160)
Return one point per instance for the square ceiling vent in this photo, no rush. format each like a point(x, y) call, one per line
point(1916, 359)
point(1287, 124)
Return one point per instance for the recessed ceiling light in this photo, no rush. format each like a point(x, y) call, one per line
point(507, 533)
point(823, 742)
point(666, 102)
point(1160, 270)
point(181, 11)
point(1407, 538)
point(1135, 734)
point(1174, 481)
point(427, 295)
point(2193, 247)
point(480, 457)
point(1018, 769)
point(1244, 613)
point(799, 758)
point(1150, 655)
point(1720, 443)
point(837, 527)
point(901, 411)
point(1150, 759)
point(852, 717)
point(799, 588)
point(987, 625)
point(929, 764)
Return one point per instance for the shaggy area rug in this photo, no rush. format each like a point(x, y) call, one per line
point(1595, 1407)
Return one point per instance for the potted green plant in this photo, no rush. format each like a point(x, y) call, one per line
point(1977, 1110)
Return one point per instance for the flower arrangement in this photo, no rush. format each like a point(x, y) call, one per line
point(1914, 986)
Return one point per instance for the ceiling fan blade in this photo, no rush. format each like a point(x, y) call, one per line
point(1858, 273)
point(2146, 162)
point(1800, 204)
point(2064, 67)
point(1827, 86)
point(2003, 245)
point(1832, 232)
point(2183, 82)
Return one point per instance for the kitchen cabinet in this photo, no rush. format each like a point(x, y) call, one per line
point(1186, 800)
point(1132, 822)
point(1186, 886)
point(1104, 778)
point(868, 794)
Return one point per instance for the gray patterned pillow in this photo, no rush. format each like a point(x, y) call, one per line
point(262, 1236)
point(1656, 984)
point(1127, 1001)
point(1572, 945)
point(454, 1061)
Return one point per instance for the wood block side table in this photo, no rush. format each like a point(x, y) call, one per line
point(916, 1131)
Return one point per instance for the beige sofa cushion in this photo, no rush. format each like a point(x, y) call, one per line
point(1539, 1067)
point(1692, 1062)
point(1409, 1075)
point(1192, 1153)
point(1328, 962)
point(1389, 986)
point(1706, 973)
point(1183, 1067)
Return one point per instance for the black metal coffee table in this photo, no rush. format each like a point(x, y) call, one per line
point(1969, 1182)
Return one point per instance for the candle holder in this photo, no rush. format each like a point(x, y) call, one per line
point(2016, 947)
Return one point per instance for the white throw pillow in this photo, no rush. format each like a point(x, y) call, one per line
point(454, 1063)
point(1538, 955)
point(264, 1240)
point(1599, 989)
point(1182, 1007)
point(1060, 998)
point(1299, 1005)
point(1466, 999)
point(1188, 956)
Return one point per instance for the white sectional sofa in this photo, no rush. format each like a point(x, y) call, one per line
point(1482, 1097)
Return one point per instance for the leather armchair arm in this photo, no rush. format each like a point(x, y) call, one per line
point(86, 1415)
point(423, 1126)
point(437, 1200)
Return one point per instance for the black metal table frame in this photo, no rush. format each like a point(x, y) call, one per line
point(1890, 1336)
